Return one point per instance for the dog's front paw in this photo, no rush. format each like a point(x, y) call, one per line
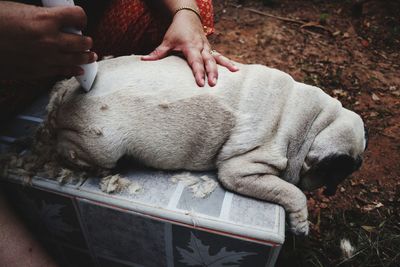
point(298, 222)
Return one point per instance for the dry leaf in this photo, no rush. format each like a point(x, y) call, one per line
point(372, 206)
point(339, 92)
point(368, 228)
point(315, 24)
point(374, 190)
point(373, 114)
point(396, 93)
point(326, 200)
point(375, 97)
point(311, 24)
point(364, 43)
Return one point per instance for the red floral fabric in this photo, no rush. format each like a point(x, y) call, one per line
point(207, 15)
point(130, 26)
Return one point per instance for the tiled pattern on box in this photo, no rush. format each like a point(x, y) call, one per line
point(137, 239)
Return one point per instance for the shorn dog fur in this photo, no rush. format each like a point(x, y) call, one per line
point(266, 134)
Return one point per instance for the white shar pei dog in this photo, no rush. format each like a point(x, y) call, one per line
point(267, 134)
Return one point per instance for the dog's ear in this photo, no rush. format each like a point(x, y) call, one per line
point(335, 168)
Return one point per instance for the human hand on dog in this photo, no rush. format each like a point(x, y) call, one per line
point(186, 35)
point(34, 44)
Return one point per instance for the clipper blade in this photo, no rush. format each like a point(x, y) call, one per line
point(87, 79)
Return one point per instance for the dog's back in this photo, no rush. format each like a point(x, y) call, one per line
point(151, 111)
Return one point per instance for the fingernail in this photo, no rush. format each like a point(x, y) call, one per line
point(235, 68)
point(202, 82)
point(92, 57)
point(212, 81)
point(89, 41)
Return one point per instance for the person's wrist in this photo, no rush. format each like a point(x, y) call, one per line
point(189, 18)
point(187, 9)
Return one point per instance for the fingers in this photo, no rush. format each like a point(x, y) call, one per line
point(160, 52)
point(201, 61)
point(224, 61)
point(196, 63)
point(210, 66)
point(74, 43)
point(211, 59)
point(74, 17)
point(67, 71)
point(74, 59)
point(52, 71)
point(206, 62)
point(73, 48)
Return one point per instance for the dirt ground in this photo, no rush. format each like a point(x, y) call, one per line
point(353, 53)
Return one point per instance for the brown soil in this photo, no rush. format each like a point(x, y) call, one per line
point(353, 54)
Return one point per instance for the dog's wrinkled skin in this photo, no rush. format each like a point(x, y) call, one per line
point(264, 132)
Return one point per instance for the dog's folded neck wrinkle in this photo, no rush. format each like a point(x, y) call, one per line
point(297, 152)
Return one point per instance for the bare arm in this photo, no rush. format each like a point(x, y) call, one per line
point(186, 35)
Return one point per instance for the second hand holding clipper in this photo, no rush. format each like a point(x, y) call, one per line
point(90, 70)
